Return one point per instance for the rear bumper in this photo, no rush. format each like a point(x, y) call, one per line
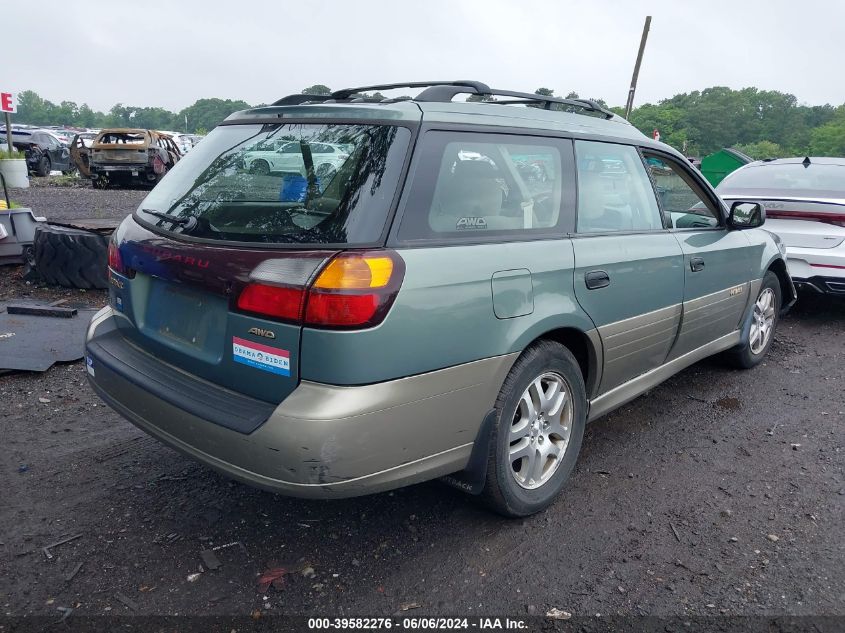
point(133, 170)
point(819, 269)
point(822, 285)
point(322, 440)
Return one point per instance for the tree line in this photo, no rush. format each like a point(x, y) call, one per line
point(761, 123)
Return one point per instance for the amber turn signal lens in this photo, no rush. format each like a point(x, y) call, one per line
point(355, 273)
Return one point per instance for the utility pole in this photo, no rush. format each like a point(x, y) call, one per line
point(11, 147)
point(633, 88)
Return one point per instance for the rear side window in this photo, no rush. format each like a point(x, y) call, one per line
point(614, 190)
point(476, 185)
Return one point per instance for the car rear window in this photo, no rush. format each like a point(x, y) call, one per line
point(816, 179)
point(297, 184)
point(121, 138)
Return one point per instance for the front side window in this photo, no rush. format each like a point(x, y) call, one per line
point(682, 200)
point(474, 185)
point(230, 187)
point(614, 191)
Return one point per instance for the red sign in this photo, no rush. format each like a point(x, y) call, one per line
point(8, 103)
point(656, 135)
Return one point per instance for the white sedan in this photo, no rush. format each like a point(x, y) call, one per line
point(286, 156)
point(805, 207)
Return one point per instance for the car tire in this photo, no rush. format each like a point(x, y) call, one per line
point(260, 167)
point(759, 332)
point(72, 258)
point(535, 432)
point(44, 167)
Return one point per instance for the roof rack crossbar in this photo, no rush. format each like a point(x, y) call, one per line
point(298, 99)
point(445, 91)
point(477, 86)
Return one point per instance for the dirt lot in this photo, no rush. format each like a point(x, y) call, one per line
point(719, 492)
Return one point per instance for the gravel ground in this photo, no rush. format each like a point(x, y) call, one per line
point(62, 203)
point(720, 492)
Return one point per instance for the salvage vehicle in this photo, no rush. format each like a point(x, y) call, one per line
point(125, 156)
point(44, 151)
point(805, 206)
point(432, 311)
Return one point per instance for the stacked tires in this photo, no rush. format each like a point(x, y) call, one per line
point(71, 257)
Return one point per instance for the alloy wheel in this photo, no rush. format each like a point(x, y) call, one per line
point(540, 430)
point(762, 321)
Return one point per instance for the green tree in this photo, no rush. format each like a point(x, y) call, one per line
point(317, 89)
point(829, 139)
point(762, 149)
point(207, 113)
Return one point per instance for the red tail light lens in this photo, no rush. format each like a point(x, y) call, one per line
point(830, 218)
point(273, 301)
point(352, 290)
point(341, 310)
point(115, 260)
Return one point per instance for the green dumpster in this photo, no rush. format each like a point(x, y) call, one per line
point(719, 164)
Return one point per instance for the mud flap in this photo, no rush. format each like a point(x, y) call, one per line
point(472, 478)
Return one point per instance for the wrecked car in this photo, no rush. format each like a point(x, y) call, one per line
point(44, 152)
point(123, 156)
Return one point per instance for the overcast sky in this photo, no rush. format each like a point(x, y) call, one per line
point(171, 52)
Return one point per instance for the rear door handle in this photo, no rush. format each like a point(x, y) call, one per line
point(597, 279)
point(696, 264)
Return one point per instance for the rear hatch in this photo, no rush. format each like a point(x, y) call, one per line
point(804, 199)
point(212, 271)
point(120, 147)
point(805, 223)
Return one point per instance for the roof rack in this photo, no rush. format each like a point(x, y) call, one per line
point(444, 92)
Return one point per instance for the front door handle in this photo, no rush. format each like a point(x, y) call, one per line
point(696, 264)
point(597, 279)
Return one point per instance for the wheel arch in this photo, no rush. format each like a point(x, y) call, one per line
point(787, 289)
point(587, 350)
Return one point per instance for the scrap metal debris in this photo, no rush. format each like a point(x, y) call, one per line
point(39, 310)
point(274, 577)
point(73, 572)
point(33, 342)
point(46, 549)
point(558, 614)
point(210, 560)
point(675, 532)
point(65, 611)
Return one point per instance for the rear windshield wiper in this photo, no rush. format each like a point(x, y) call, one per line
point(190, 220)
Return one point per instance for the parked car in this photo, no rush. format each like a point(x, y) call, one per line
point(43, 150)
point(183, 141)
point(805, 207)
point(279, 155)
point(124, 156)
point(431, 311)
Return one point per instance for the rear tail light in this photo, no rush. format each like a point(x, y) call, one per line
point(115, 260)
point(351, 290)
point(273, 301)
point(829, 218)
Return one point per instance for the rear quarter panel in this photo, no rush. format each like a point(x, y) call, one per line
point(444, 314)
point(764, 251)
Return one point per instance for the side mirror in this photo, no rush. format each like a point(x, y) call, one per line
point(746, 215)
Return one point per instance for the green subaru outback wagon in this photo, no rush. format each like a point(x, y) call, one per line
point(422, 288)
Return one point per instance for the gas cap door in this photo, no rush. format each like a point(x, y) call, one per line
point(513, 293)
